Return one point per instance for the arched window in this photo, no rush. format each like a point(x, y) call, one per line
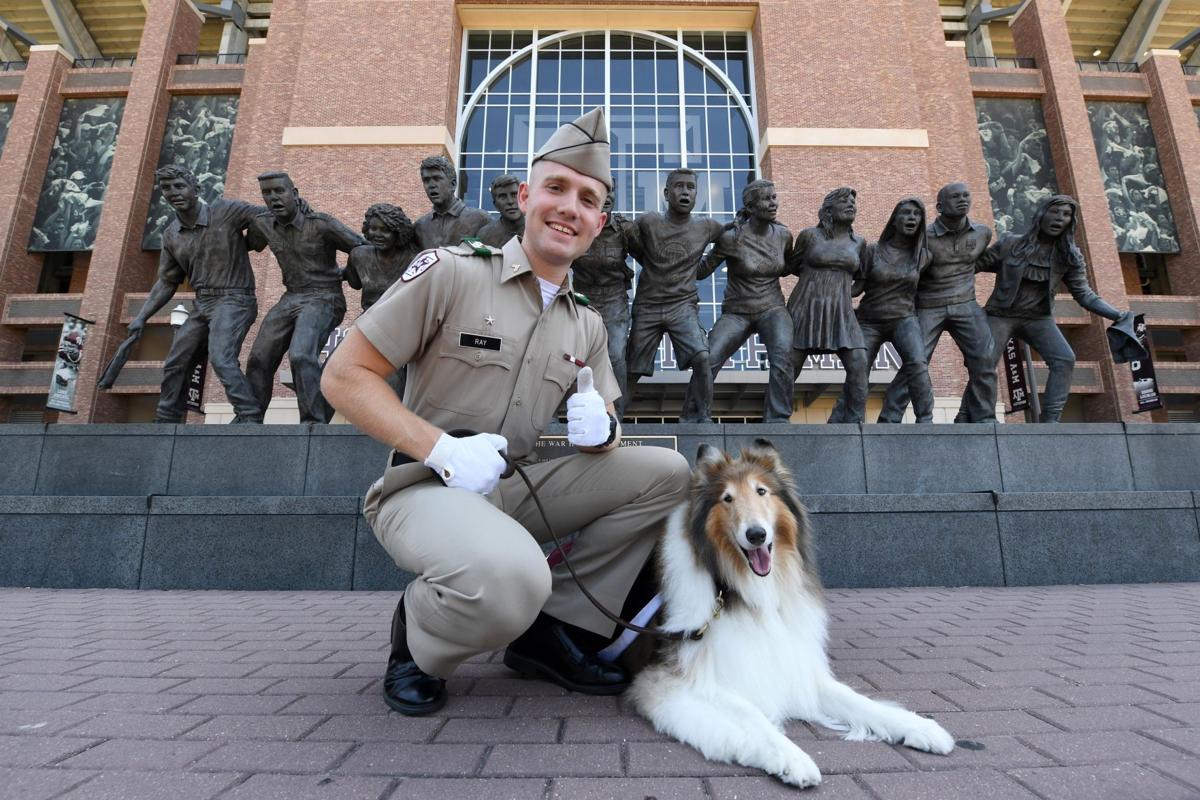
point(672, 99)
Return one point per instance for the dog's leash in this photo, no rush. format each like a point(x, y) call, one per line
point(511, 468)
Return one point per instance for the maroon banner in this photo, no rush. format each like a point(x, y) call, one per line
point(1018, 381)
point(1145, 384)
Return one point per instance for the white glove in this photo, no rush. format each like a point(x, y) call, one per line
point(473, 463)
point(587, 417)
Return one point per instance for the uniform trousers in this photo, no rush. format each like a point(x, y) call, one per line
point(482, 577)
point(968, 326)
point(299, 325)
point(1043, 335)
point(218, 324)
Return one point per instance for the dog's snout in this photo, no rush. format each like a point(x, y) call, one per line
point(756, 535)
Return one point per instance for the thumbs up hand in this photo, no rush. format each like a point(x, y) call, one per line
point(587, 418)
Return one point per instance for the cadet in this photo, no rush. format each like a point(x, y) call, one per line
point(493, 340)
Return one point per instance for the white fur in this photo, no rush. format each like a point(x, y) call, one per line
point(761, 663)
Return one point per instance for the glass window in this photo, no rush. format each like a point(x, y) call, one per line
point(655, 124)
point(6, 112)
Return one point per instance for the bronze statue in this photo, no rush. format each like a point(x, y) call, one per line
point(756, 250)
point(667, 300)
point(512, 220)
point(305, 243)
point(603, 276)
point(1029, 267)
point(450, 220)
point(946, 302)
point(205, 245)
point(392, 245)
point(887, 311)
point(827, 259)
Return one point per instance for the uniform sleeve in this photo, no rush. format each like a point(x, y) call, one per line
point(991, 258)
point(597, 359)
point(242, 213)
point(256, 240)
point(409, 315)
point(350, 275)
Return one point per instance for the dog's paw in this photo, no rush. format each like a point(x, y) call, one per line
point(799, 770)
point(930, 737)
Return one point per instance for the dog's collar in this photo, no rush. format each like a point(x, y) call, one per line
point(698, 634)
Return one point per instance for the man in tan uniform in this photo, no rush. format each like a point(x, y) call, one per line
point(494, 339)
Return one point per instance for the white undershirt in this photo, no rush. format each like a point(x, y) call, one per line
point(549, 291)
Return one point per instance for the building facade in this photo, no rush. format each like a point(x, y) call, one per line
point(894, 99)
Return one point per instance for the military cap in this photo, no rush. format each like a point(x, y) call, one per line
point(583, 146)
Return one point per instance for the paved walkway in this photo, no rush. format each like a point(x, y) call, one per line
point(1083, 693)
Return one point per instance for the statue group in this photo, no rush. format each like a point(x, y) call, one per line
point(917, 281)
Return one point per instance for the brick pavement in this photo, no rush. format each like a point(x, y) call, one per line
point(1074, 692)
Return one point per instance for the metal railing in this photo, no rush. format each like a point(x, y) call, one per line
point(219, 58)
point(1191, 69)
point(105, 62)
point(1107, 66)
point(12, 66)
point(1001, 63)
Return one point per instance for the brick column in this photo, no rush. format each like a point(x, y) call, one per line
point(22, 170)
point(119, 264)
point(1040, 31)
point(1178, 137)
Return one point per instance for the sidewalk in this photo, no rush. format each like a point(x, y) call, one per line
point(1075, 693)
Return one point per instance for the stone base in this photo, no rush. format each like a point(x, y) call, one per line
point(278, 506)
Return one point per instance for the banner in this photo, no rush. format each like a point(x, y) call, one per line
point(1018, 381)
point(195, 385)
point(1145, 385)
point(66, 365)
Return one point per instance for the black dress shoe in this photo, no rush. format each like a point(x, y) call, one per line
point(405, 687)
point(547, 650)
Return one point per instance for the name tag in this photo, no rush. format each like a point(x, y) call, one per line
point(480, 342)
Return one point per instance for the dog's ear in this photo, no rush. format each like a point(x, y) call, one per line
point(763, 453)
point(708, 457)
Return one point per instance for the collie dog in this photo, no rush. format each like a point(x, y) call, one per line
point(736, 562)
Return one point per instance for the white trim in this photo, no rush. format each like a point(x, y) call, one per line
point(369, 136)
point(843, 137)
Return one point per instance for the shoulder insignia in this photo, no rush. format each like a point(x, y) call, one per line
point(420, 265)
point(582, 299)
point(479, 248)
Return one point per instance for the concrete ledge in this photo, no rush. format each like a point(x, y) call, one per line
point(20, 456)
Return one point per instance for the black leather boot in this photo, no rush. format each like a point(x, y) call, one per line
point(547, 650)
point(405, 687)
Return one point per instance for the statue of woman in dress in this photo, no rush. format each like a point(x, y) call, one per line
point(827, 259)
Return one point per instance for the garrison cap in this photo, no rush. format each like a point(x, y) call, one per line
point(583, 146)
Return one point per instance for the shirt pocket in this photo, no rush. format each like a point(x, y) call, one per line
point(556, 380)
point(470, 380)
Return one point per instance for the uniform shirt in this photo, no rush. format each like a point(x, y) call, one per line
point(449, 227)
point(950, 277)
point(671, 254)
point(601, 272)
point(210, 253)
point(481, 351)
point(891, 283)
point(756, 263)
point(305, 246)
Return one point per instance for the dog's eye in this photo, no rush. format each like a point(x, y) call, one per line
point(761, 491)
point(728, 498)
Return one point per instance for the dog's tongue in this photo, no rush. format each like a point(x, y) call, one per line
point(760, 560)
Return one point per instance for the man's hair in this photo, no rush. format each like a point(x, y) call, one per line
point(679, 172)
point(175, 172)
point(442, 164)
point(266, 176)
point(504, 180)
point(394, 219)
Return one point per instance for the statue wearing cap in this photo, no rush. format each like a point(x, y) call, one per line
point(494, 339)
